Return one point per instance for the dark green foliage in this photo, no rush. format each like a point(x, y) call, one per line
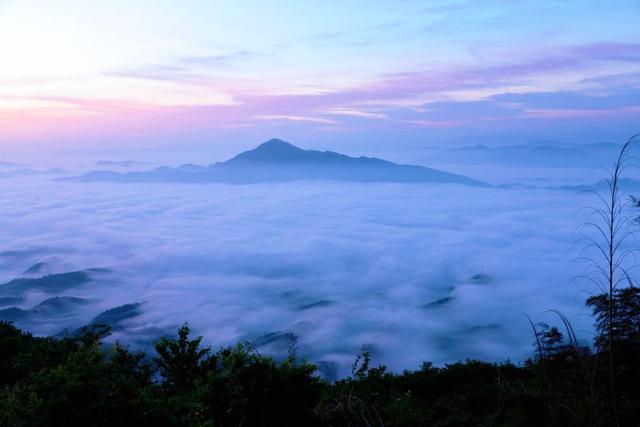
point(461, 394)
point(182, 362)
point(249, 389)
point(73, 383)
point(22, 354)
point(624, 324)
point(625, 319)
point(76, 381)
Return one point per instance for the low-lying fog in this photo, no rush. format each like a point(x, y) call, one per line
point(418, 272)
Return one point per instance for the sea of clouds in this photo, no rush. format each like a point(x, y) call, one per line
point(416, 272)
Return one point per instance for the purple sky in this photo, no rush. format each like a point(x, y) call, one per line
point(360, 77)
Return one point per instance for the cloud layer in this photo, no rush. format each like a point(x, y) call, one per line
point(417, 272)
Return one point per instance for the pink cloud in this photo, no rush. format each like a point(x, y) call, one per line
point(374, 103)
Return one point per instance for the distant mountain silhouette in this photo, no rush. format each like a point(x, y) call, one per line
point(37, 268)
point(115, 316)
point(8, 164)
point(120, 163)
point(31, 172)
point(55, 306)
point(52, 283)
point(279, 161)
point(541, 153)
point(10, 301)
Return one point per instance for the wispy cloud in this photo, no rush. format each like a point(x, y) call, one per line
point(534, 85)
point(613, 98)
point(189, 69)
point(356, 113)
point(170, 73)
point(281, 117)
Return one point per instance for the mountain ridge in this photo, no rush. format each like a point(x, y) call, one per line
point(279, 161)
point(538, 153)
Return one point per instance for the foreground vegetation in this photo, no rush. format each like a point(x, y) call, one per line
point(76, 381)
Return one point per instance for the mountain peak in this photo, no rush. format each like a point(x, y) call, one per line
point(275, 141)
point(276, 144)
point(270, 151)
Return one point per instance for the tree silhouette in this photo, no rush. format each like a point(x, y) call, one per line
point(606, 255)
point(181, 359)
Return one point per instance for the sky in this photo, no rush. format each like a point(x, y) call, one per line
point(212, 77)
